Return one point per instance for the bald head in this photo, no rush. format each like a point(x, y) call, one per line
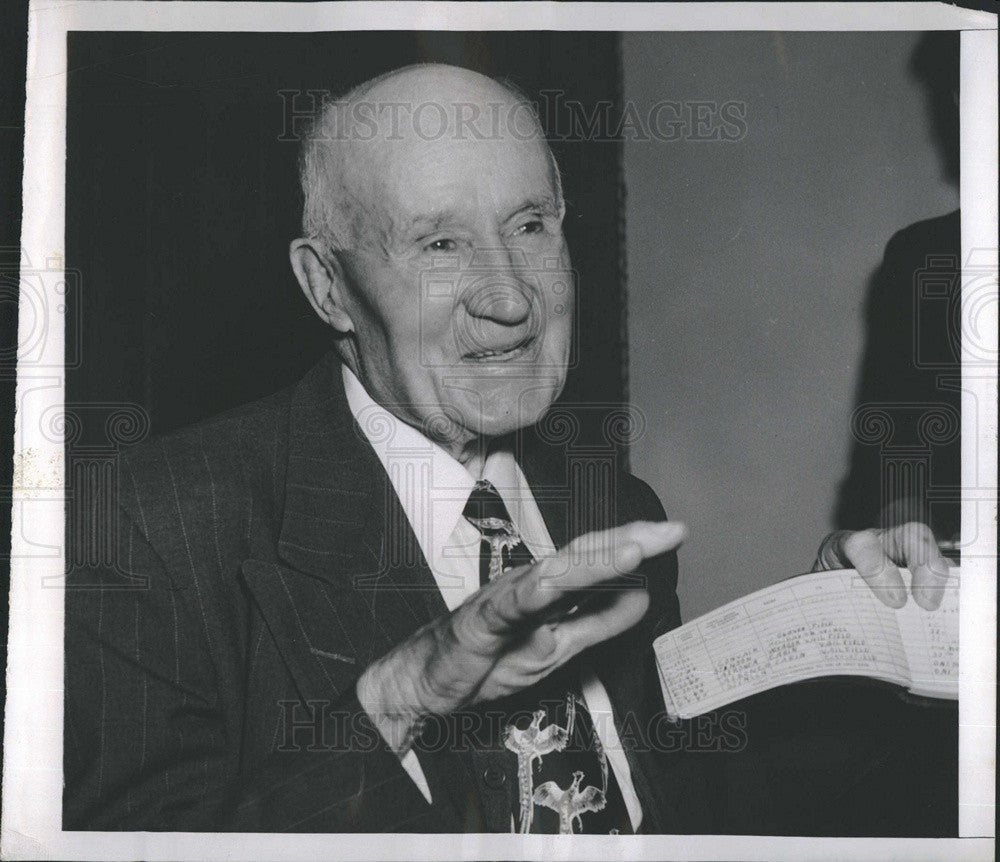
point(434, 250)
point(373, 132)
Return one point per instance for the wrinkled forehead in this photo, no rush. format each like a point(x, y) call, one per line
point(480, 150)
point(470, 178)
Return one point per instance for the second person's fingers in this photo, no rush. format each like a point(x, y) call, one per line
point(865, 552)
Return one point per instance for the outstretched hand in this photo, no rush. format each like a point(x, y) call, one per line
point(514, 631)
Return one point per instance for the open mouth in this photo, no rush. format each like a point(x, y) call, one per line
point(500, 354)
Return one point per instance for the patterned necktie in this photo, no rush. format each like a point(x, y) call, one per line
point(564, 781)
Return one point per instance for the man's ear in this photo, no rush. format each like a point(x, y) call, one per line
point(322, 281)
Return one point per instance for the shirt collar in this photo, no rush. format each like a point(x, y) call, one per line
point(432, 486)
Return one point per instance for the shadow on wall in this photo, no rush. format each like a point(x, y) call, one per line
point(905, 453)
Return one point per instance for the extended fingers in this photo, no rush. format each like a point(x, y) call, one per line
point(587, 562)
point(576, 633)
point(596, 558)
point(914, 546)
point(865, 552)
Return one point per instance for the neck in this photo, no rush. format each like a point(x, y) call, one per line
point(470, 450)
point(471, 454)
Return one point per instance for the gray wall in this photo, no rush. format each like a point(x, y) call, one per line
point(748, 263)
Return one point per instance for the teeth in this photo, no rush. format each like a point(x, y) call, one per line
point(486, 354)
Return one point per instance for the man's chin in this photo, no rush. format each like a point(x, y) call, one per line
point(517, 410)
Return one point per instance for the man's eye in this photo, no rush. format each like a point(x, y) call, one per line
point(533, 226)
point(442, 245)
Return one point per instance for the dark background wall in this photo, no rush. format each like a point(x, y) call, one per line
point(181, 201)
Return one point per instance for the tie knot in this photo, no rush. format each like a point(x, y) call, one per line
point(500, 548)
point(485, 509)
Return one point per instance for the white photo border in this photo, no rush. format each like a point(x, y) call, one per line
point(32, 775)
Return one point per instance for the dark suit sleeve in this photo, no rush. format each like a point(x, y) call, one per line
point(151, 744)
point(660, 572)
point(658, 576)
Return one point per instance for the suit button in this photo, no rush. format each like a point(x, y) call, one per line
point(494, 778)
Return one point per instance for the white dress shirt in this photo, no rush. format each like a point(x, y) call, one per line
point(433, 489)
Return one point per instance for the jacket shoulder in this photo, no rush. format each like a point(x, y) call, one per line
point(640, 498)
point(913, 246)
point(220, 471)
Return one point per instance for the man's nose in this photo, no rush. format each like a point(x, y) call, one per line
point(497, 291)
point(501, 299)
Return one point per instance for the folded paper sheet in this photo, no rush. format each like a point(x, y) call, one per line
point(821, 624)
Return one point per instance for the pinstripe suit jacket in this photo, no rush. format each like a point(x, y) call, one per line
point(264, 561)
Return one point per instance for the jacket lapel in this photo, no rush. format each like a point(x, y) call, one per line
point(544, 466)
point(347, 580)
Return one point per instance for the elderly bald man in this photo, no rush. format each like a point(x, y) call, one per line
point(347, 607)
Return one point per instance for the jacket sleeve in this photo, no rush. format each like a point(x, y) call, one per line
point(628, 661)
point(660, 572)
